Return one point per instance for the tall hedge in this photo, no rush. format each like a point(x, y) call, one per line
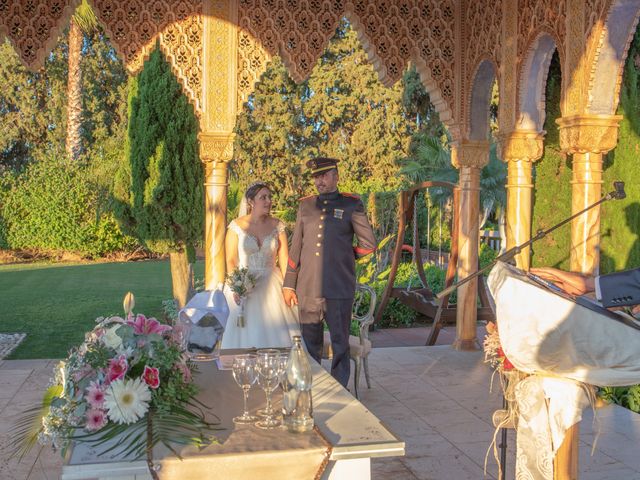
point(620, 224)
point(620, 220)
point(53, 206)
point(552, 192)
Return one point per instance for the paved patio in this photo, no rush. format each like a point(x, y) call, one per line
point(435, 398)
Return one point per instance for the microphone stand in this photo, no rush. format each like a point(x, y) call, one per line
point(617, 194)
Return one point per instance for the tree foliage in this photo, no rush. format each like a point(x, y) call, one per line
point(159, 186)
point(68, 212)
point(342, 110)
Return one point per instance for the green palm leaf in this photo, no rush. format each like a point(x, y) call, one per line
point(29, 425)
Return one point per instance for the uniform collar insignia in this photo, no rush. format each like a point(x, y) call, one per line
point(329, 196)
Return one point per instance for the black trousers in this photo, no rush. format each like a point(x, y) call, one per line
point(337, 313)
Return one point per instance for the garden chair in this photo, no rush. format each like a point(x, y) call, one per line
point(364, 305)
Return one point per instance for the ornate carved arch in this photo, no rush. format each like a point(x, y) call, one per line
point(533, 79)
point(134, 28)
point(393, 33)
point(33, 27)
point(480, 99)
point(610, 55)
point(481, 33)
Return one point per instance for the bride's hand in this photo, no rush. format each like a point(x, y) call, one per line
point(236, 298)
point(290, 297)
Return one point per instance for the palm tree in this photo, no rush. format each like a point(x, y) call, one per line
point(83, 22)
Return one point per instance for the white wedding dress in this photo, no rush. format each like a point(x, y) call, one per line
point(268, 321)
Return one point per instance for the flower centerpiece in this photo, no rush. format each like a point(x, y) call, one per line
point(241, 282)
point(129, 379)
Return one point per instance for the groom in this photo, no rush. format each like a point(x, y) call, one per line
point(320, 274)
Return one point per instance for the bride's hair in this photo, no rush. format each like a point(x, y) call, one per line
point(250, 194)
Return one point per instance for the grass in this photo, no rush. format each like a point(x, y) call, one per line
point(56, 304)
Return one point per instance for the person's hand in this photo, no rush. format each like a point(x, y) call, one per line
point(571, 282)
point(290, 297)
point(236, 298)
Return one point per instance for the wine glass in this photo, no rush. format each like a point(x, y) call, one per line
point(245, 375)
point(283, 360)
point(268, 366)
point(264, 412)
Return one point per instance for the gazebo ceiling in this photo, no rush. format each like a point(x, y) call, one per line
point(447, 40)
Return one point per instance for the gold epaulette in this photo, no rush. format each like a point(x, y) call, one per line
point(352, 195)
point(308, 196)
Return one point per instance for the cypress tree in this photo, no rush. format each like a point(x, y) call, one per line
point(160, 183)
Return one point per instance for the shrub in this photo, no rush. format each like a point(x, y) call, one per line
point(54, 207)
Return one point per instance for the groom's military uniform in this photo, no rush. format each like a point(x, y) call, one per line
point(321, 269)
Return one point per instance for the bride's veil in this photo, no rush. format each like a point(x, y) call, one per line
point(243, 209)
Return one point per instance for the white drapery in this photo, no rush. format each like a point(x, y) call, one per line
point(566, 347)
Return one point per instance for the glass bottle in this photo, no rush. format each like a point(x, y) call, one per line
point(297, 410)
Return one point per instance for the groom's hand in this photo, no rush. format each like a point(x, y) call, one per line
point(290, 297)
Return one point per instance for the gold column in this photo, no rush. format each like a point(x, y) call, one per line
point(520, 149)
point(469, 157)
point(216, 150)
point(587, 137)
point(219, 104)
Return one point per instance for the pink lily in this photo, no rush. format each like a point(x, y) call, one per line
point(146, 326)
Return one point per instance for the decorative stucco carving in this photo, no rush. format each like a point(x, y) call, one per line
point(521, 145)
point(135, 26)
point(588, 133)
point(474, 154)
point(216, 147)
point(33, 27)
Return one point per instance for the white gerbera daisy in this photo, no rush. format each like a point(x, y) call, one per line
point(127, 401)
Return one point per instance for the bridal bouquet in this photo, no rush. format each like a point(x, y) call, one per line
point(241, 282)
point(129, 378)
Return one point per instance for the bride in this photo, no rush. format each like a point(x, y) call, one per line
point(258, 241)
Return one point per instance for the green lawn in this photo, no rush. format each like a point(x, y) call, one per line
point(56, 304)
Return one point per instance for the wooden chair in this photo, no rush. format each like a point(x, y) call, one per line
point(364, 305)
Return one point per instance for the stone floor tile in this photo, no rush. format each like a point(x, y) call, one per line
point(454, 465)
point(611, 474)
point(390, 468)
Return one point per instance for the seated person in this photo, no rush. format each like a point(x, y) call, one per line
point(618, 289)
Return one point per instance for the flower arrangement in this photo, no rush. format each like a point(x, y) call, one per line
point(241, 282)
point(493, 353)
point(129, 377)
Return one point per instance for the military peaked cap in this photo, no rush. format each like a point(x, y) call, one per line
point(320, 165)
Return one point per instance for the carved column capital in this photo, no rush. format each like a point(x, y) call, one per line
point(588, 133)
point(469, 153)
point(216, 146)
point(521, 145)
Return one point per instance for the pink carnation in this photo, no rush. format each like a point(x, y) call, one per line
point(95, 395)
point(151, 376)
point(117, 368)
point(145, 326)
point(96, 419)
